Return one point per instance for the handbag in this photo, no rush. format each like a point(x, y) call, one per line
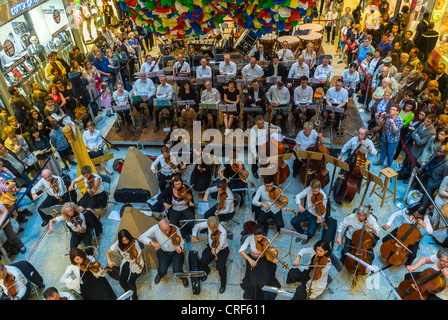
point(30, 159)
point(80, 111)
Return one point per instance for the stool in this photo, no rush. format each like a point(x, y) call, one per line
point(388, 173)
point(367, 167)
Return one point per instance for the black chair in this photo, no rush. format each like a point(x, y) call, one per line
point(321, 56)
point(164, 61)
point(196, 60)
point(219, 57)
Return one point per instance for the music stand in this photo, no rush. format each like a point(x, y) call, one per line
point(273, 79)
point(308, 155)
point(336, 164)
point(272, 161)
point(201, 81)
point(221, 79)
point(123, 108)
point(243, 82)
point(369, 177)
point(307, 106)
point(314, 80)
point(162, 102)
point(288, 63)
point(227, 108)
point(278, 291)
point(293, 234)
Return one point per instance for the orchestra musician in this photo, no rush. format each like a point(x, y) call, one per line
point(144, 88)
point(258, 137)
point(19, 289)
point(234, 180)
point(178, 201)
point(367, 144)
point(304, 139)
point(80, 223)
point(90, 283)
point(132, 262)
point(264, 206)
point(95, 197)
point(260, 54)
point(353, 75)
point(320, 249)
point(51, 293)
point(94, 141)
point(56, 192)
point(167, 252)
point(201, 176)
point(181, 68)
point(203, 72)
point(231, 96)
point(336, 96)
point(354, 222)
point(252, 70)
point(188, 92)
point(164, 92)
point(168, 167)
point(298, 70)
point(276, 69)
point(309, 213)
point(284, 53)
point(258, 273)
point(414, 214)
point(224, 195)
point(255, 97)
point(217, 248)
point(278, 96)
point(438, 262)
point(227, 68)
point(303, 96)
point(322, 73)
point(210, 96)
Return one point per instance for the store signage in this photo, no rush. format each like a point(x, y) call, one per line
point(9, 48)
point(23, 6)
point(15, 64)
point(56, 16)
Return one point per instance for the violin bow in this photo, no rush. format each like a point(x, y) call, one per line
point(266, 248)
point(46, 190)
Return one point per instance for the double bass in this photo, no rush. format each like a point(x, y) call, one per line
point(346, 185)
point(363, 241)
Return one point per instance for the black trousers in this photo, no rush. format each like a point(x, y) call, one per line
point(222, 217)
point(52, 201)
point(262, 218)
point(208, 257)
point(308, 113)
point(284, 117)
point(167, 258)
point(163, 179)
point(86, 238)
point(160, 108)
point(175, 216)
point(138, 107)
point(128, 279)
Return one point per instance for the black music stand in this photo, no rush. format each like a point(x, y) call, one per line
point(273, 79)
point(293, 234)
point(124, 108)
point(336, 164)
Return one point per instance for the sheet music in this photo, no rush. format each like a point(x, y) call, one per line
point(203, 207)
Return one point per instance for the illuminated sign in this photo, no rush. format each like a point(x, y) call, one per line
point(23, 6)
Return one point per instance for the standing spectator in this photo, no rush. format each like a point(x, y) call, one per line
point(442, 79)
point(60, 143)
point(385, 45)
point(428, 42)
point(93, 77)
point(329, 25)
point(413, 56)
point(422, 27)
point(408, 44)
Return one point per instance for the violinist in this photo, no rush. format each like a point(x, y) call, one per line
point(314, 213)
point(95, 196)
point(354, 222)
point(235, 180)
point(201, 176)
point(304, 139)
point(91, 283)
point(56, 192)
point(264, 207)
point(168, 167)
point(367, 144)
point(217, 248)
point(438, 262)
point(132, 261)
point(167, 251)
point(178, 201)
point(320, 261)
point(224, 209)
point(51, 293)
point(80, 223)
point(13, 283)
point(414, 214)
point(258, 273)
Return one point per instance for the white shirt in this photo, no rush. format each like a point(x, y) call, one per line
point(156, 233)
point(289, 55)
point(352, 77)
point(309, 195)
point(126, 257)
point(410, 220)
point(230, 69)
point(96, 176)
point(228, 203)
point(46, 186)
point(302, 96)
point(212, 96)
point(444, 293)
point(322, 72)
point(20, 281)
point(144, 88)
point(353, 143)
point(303, 141)
point(185, 67)
point(222, 237)
point(337, 97)
point(73, 273)
point(319, 285)
point(278, 96)
point(147, 68)
point(202, 72)
point(262, 196)
point(71, 225)
point(297, 71)
point(258, 137)
point(164, 92)
point(92, 140)
point(250, 73)
point(249, 242)
point(165, 168)
point(352, 222)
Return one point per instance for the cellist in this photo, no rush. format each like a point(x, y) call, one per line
point(304, 139)
point(367, 144)
point(320, 250)
point(311, 193)
point(410, 215)
point(353, 222)
point(438, 262)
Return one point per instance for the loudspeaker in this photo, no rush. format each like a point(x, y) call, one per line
point(246, 42)
point(127, 195)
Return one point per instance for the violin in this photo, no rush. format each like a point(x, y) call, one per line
point(362, 243)
point(54, 184)
point(429, 282)
point(275, 194)
point(215, 241)
point(188, 198)
point(243, 173)
point(175, 238)
point(170, 162)
point(77, 222)
point(91, 183)
point(270, 252)
point(222, 198)
point(319, 207)
point(316, 272)
point(10, 282)
point(394, 251)
point(132, 250)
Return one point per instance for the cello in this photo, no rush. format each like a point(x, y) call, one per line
point(346, 186)
point(362, 243)
point(429, 282)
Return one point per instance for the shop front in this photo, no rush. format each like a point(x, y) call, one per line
point(29, 31)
